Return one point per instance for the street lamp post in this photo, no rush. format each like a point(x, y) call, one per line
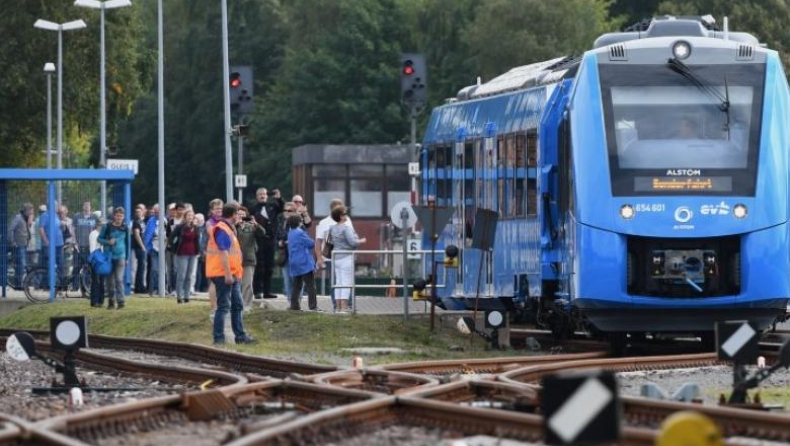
point(49, 68)
point(60, 27)
point(95, 4)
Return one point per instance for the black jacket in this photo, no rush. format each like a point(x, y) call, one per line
point(273, 210)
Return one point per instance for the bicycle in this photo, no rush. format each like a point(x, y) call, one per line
point(36, 282)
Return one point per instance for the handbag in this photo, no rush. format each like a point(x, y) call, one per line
point(326, 250)
point(281, 257)
point(100, 262)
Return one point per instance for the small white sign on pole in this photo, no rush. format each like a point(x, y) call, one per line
point(240, 180)
point(414, 245)
point(118, 164)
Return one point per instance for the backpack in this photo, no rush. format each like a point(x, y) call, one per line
point(100, 262)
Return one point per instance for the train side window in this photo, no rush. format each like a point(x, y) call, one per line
point(532, 148)
point(510, 176)
point(532, 197)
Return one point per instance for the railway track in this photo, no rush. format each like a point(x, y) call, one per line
point(409, 420)
point(229, 360)
point(234, 412)
point(392, 400)
point(738, 424)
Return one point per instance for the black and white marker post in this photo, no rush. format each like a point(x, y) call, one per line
point(739, 342)
point(67, 334)
point(581, 408)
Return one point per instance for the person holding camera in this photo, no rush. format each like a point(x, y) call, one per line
point(301, 263)
point(248, 231)
point(266, 213)
point(295, 207)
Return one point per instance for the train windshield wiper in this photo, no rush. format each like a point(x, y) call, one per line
point(723, 100)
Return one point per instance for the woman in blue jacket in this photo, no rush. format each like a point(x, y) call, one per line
point(301, 263)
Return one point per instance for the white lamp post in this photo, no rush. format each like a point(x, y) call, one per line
point(49, 68)
point(60, 27)
point(95, 4)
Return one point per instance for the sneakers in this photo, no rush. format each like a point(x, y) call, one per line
point(121, 305)
point(179, 301)
point(111, 305)
point(258, 296)
point(316, 310)
point(270, 296)
point(246, 340)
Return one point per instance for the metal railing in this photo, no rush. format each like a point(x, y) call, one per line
point(404, 285)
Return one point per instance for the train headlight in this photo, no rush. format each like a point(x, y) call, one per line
point(739, 211)
point(627, 211)
point(681, 50)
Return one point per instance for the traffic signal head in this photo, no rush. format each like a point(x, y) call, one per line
point(241, 88)
point(451, 256)
point(235, 80)
point(413, 79)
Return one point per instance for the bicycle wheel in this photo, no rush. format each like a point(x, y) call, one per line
point(85, 280)
point(37, 285)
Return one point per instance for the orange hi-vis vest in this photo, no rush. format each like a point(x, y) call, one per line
point(214, 266)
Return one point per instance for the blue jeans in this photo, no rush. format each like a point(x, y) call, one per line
point(20, 265)
point(43, 259)
point(115, 281)
point(153, 270)
point(185, 266)
point(228, 296)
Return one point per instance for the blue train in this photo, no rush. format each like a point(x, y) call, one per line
point(640, 188)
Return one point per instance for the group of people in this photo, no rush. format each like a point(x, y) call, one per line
point(231, 254)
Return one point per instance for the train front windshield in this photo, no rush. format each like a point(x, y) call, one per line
point(677, 129)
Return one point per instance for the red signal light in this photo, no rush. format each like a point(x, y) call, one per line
point(408, 68)
point(235, 80)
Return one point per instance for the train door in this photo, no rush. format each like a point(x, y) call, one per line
point(484, 179)
point(459, 220)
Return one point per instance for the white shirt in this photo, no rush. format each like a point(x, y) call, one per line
point(325, 224)
point(93, 240)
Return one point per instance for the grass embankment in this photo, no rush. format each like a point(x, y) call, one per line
point(308, 337)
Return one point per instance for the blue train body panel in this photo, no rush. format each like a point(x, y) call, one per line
point(641, 188)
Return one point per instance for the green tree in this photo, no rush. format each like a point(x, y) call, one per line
point(23, 52)
point(337, 83)
point(439, 25)
point(194, 112)
point(510, 33)
point(765, 19)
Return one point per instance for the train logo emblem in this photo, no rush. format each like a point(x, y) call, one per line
point(715, 209)
point(683, 214)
